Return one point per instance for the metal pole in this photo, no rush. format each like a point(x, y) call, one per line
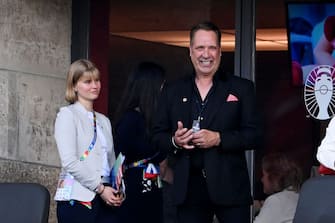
point(245, 59)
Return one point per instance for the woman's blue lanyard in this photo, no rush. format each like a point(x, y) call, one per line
point(90, 147)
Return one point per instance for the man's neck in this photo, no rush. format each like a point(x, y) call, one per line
point(204, 80)
point(204, 84)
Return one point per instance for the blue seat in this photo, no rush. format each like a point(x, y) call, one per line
point(316, 201)
point(24, 203)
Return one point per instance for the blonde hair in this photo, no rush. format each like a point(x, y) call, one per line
point(78, 69)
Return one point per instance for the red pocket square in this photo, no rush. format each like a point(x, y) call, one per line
point(232, 97)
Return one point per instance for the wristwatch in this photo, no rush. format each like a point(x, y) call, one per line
point(99, 189)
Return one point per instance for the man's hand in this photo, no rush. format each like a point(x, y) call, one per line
point(206, 139)
point(183, 136)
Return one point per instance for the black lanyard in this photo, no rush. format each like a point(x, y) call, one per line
point(200, 106)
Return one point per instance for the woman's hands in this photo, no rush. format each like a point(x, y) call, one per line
point(112, 197)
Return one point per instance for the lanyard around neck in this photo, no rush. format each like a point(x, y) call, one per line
point(200, 107)
point(90, 147)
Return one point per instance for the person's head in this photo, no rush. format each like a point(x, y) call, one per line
point(83, 81)
point(205, 48)
point(280, 172)
point(142, 90)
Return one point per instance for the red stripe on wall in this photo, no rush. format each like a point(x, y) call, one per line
point(99, 48)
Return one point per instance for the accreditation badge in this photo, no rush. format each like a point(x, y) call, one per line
point(196, 125)
point(64, 187)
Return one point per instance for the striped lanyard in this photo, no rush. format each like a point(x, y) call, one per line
point(90, 147)
point(83, 157)
point(140, 163)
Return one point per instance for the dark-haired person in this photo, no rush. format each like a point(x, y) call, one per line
point(282, 179)
point(144, 202)
point(208, 119)
point(85, 145)
point(324, 50)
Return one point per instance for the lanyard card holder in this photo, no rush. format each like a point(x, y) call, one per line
point(64, 187)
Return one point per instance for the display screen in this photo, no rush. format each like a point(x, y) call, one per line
point(311, 37)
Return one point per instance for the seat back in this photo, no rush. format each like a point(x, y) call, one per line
point(24, 202)
point(316, 201)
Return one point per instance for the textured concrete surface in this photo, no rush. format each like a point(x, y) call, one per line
point(34, 35)
point(35, 41)
point(28, 109)
point(38, 103)
point(35, 54)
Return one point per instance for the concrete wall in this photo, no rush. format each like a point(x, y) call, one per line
point(35, 39)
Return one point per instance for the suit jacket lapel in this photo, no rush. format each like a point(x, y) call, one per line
point(221, 93)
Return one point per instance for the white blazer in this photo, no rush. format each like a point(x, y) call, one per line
point(74, 132)
point(326, 150)
point(278, 208)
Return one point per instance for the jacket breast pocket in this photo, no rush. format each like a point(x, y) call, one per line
point(230, 110)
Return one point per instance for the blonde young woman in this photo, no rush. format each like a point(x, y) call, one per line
point(85, 145)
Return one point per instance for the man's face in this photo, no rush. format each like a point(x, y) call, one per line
point(205, 53)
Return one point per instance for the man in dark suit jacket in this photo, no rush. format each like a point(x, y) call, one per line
point(208, 119)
